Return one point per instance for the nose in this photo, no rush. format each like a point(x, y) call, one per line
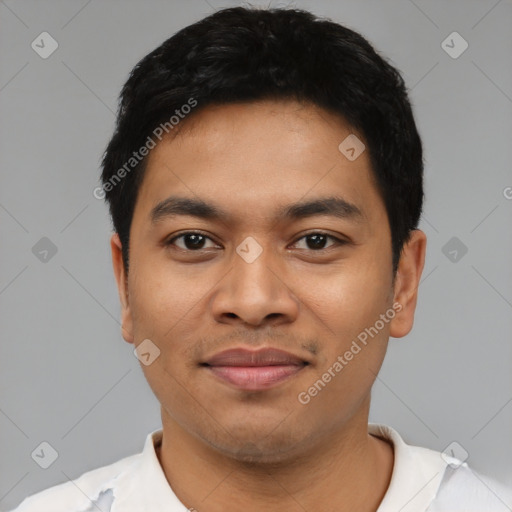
point(255, 292)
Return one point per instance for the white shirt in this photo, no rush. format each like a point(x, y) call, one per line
point(423, 480)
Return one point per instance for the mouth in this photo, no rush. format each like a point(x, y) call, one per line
point(254, 370)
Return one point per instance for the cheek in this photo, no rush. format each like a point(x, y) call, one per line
point(354, 344)
point(168, 307)
point(164, 307)
point(163, 296)
point(351, 299)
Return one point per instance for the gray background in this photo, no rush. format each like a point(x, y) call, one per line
point(66, 375)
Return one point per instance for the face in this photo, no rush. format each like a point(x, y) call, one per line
point(284, 243)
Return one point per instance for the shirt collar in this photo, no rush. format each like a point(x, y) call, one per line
point(143, 486)
point(417, 474)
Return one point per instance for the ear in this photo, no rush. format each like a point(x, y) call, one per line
point(122, 286)
point(407, 281)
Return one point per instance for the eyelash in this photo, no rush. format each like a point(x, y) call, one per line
point(338, 242)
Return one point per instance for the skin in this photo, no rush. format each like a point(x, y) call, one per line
point(225, 449)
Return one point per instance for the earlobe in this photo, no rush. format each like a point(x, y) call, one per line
point(122, 287)
point(407, 281)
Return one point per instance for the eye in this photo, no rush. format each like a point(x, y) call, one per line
point(194, 241)
point(317, 241)
point(191, 241)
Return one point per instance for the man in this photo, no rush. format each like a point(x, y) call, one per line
point(265, 186)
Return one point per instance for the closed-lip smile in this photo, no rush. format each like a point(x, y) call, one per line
point(254, 370)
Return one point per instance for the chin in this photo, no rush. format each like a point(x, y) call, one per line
point(259, 445)
point(253, 453)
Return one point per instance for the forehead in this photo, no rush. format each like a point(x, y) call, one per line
point(254, 157)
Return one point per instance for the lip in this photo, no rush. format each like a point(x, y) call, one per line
point(254, 370)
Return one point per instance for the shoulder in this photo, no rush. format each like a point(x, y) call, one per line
point(463, 489)
point(82, 494)
point(433, 481)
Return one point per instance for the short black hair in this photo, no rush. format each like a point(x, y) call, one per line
point(246, 54)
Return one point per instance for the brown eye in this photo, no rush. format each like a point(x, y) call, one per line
point(318, 241)
point(190, 241)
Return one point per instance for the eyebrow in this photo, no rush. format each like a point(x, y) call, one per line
point(331, 206)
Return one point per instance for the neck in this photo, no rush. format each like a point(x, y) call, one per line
point(347, 470)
